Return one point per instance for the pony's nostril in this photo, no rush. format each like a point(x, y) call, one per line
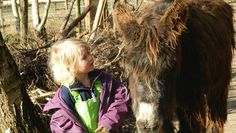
point(144, 126)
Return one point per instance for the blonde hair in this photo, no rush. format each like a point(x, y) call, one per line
point(63, 59)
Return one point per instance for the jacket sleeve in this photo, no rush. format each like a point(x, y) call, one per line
point(60, 123)
point(117, 111)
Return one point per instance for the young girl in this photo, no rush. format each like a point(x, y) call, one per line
point(88, 100)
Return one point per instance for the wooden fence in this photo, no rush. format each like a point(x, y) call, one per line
point(8, 3)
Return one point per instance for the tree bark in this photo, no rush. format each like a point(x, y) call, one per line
point(66, 4)
point(17, 113)
point(44, 19)
point(15, 14)
point(97, 18)
point(23, 19)
point(35, 13)
point(39, 25)
point(1, 16)
point(78, 12)
point(91, 15)
point(1, 19)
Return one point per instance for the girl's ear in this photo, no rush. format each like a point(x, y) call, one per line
point(174, 19)
point(125, 23)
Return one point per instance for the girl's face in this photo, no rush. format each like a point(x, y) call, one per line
point(85, 61)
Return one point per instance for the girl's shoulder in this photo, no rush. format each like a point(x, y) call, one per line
point(63, 121)
point(67, 97)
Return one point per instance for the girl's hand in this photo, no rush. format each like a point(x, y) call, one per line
point(101, 129)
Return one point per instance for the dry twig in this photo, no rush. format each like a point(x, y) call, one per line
point(68, 16)
point(65, 32)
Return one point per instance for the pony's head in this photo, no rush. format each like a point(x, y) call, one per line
point(150, 38)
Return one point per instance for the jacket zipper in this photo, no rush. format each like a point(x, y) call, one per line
point(93, 95)
point(91, 87)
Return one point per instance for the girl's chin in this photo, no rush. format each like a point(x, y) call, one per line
point(92, 68)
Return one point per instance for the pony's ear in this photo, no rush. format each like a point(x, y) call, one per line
point(125, 22)
point(175, 18)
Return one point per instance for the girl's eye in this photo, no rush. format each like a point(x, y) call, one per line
point(84, 57)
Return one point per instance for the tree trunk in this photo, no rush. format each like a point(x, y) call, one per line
point(1, 19)
point(23, 19)
point(97, 18)
point(88, 16)
point(15, 14)
point(39, 25)
point(1, 16)
point(110, 5)
point(91, 15)
point(17, 114)
point(35, 13)
point(77, 13)
point(66, 4)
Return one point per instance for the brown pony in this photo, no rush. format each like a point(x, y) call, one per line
point(178, 57)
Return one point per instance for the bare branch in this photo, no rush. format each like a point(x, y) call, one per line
point(68, 16)
point(42, 23)
point(74, 23)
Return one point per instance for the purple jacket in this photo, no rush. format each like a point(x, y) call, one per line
point(113, 111)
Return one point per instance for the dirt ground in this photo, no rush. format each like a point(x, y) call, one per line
point(230, 126)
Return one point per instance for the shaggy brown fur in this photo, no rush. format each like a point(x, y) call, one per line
point(179, 61)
